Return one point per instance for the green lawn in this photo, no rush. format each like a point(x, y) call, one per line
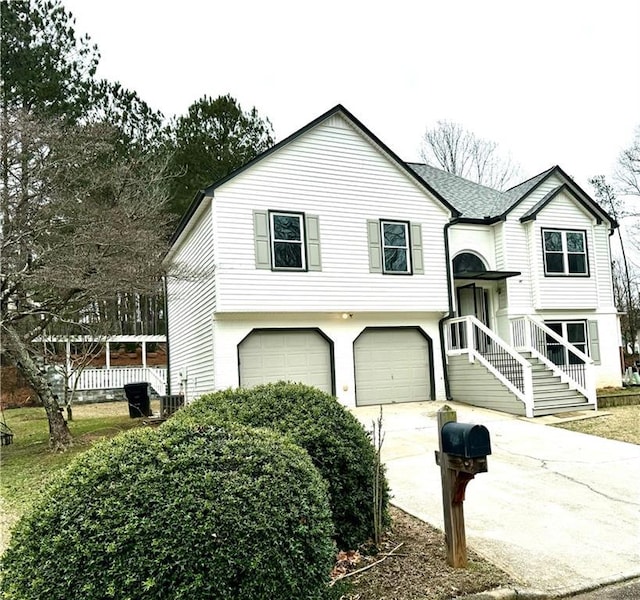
point(27, 462)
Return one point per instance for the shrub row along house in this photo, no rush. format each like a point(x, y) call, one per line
point(330, 261)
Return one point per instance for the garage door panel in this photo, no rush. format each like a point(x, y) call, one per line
point(392, 365)
point(269, 356)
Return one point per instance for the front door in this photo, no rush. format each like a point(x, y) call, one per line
point(474, 301)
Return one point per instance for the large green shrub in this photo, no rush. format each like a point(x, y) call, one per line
point(336, 441)
point(192, 511)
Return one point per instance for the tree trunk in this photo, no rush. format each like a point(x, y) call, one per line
point(17, 351)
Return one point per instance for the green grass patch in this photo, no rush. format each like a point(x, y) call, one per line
point(27, 463)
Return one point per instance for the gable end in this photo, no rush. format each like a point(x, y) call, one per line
point(338, 109)
point(571, 186)
point(535, 210)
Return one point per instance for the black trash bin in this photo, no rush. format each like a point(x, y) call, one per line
point(138, 398)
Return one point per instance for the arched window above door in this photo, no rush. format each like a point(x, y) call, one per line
point(468, 263)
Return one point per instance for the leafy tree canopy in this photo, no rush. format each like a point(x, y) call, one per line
point(214, 138)
point(83, 211)
point(46, 68)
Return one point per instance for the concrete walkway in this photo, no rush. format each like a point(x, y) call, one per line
point(558, 510)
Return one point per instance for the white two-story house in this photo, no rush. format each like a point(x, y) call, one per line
point(328, 260)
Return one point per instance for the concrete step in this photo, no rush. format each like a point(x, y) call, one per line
point(540, 411)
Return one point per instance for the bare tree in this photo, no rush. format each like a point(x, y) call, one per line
point(627, 184)
point(627, 173)
point(451, 147)
point(622, 202)
point(79, 220)
point(626, 291)
point(69, 354)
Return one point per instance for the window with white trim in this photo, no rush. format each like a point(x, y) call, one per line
point(395, 247)
point(574, 332)
point(565, 252)
point(287, 241)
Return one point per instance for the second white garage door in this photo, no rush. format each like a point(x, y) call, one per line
point(297, 355)
point(392, 365)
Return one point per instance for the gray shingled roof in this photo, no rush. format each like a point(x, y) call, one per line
point(542, 203)
point(473, 200)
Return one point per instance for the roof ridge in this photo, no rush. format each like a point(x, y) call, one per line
point(450, 174)
point(513, 187)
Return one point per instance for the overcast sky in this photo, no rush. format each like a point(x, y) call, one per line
point(552, 82)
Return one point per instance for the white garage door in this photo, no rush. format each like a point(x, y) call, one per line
point(302, 356)
point(392, 365)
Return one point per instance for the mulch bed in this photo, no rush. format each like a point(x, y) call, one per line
point(413, 566)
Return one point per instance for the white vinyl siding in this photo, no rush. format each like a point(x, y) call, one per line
point(335, 173)
point(569, 292)
point(518, 251)
point(191, 286)
point(472, 383)
point(522, 250)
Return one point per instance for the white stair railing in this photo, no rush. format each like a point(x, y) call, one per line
point(563, 358)
point(468, 335)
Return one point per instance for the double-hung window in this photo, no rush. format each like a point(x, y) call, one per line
point(287, 241)
point(395, 247)
point(575, 332)
point(565, 252)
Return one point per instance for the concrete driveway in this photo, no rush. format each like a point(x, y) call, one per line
point(558, 510)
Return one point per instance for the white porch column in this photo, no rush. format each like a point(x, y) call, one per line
point(108, 356)
point(144, 354)
point(68, 353)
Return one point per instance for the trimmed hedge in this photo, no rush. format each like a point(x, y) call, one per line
point(192, 511)
point(337, 442)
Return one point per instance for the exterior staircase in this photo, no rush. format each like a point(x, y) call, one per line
point(550, 394)
point(522, 376)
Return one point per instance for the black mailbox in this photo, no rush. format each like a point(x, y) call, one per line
point(466, 440)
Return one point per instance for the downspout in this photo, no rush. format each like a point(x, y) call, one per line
point(451, 312)
point(166, 326)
